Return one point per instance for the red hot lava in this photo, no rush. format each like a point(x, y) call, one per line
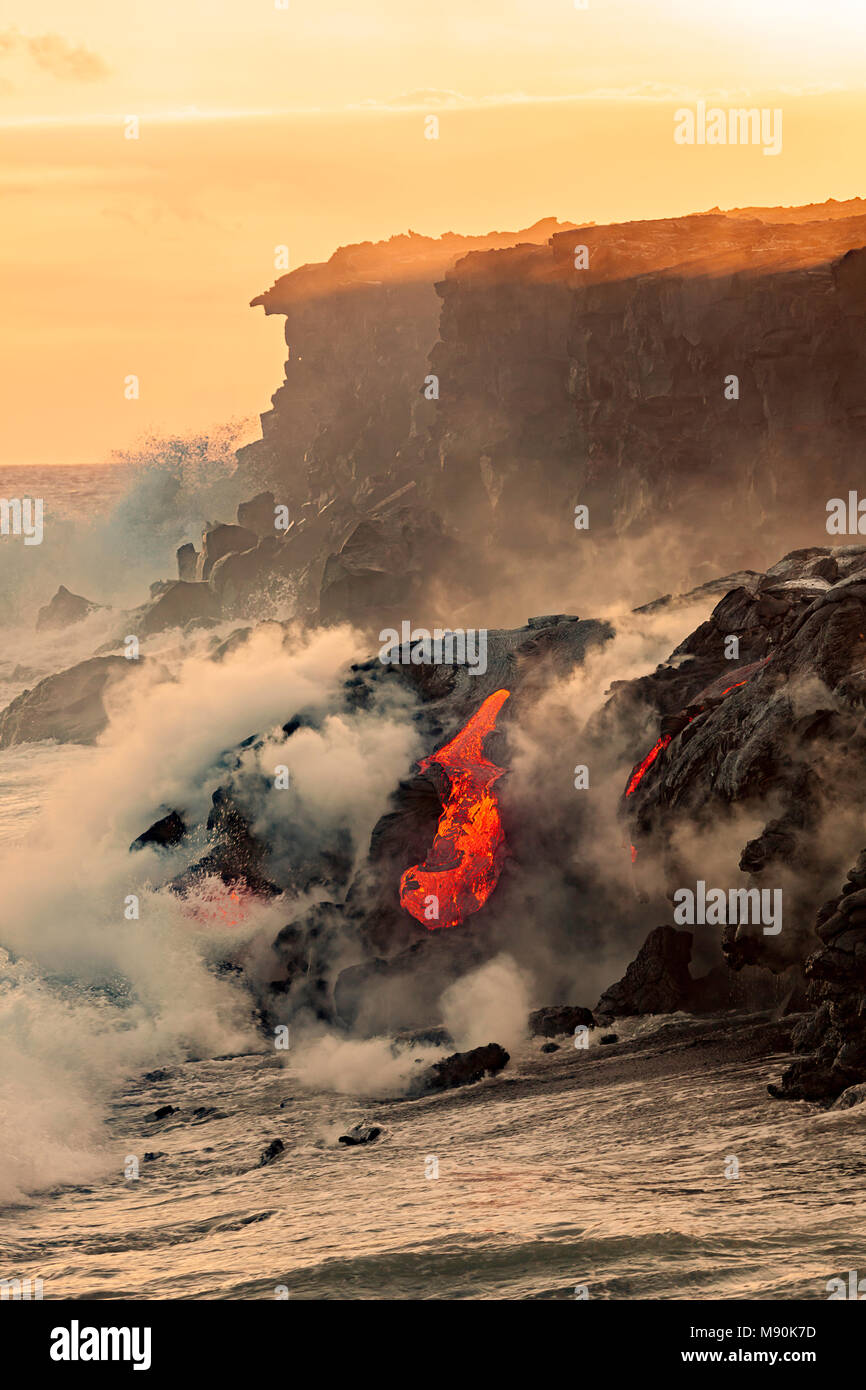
point(642, 768)
point(467, 854)
point(710, 693)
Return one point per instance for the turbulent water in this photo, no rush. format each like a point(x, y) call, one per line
point(544, 1187)
point(605, 1168)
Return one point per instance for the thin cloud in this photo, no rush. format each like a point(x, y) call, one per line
point(433, 99)
point(55, 55)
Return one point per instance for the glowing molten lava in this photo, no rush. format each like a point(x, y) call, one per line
point(467, 854)
point(639, 772)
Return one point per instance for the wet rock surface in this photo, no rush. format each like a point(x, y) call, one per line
point(163, 1112)
point(556, 1020)
point(223, 539)
point(271, 1152)
point(463, 1068)
point(360, 1134)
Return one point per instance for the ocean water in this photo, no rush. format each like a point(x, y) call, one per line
point(68, 491)
point(603, 1168)
point(552, 1178)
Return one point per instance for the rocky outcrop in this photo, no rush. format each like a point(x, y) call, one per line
point(834, 1036)
point(683, 369)
point(360, 1134)
point(163, 834)
point(658, 979)
point(606, 385)
point(555, 1021)
point(235, 856)
point(222, 540)
point(181, 603)
point(463, 1068)
point(382, 568)
point(186, 562)
point(258, 514)
point(357, 956)
point(780, 730)
point(358, 328)
point(64, 609)
point(68, 707)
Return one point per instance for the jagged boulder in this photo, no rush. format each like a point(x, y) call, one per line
point(181, 603)
point(187, 558)
point(241, 573)
point(65, 609)
point(222, 540)
point(272, 1152)
point(235, 856)
point(383, 565)
point(854, 1095)
point(658, 979)
point(163, 834)
point(360, 1134)
point(258, 514)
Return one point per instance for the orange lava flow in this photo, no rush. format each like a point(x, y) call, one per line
point(465, 860)
point(639, 772)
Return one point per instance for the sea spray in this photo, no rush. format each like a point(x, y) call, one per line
point(89, 996)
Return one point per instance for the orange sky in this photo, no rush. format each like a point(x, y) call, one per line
point(305, 126)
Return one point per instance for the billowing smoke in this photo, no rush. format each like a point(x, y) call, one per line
point(490, 1004)
point(358, 1066)
point(571, 911)
point(109, 971)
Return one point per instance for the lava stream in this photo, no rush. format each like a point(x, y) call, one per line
point(466, 857)
point(642, 768)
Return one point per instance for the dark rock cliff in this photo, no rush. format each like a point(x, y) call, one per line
point(557, 386)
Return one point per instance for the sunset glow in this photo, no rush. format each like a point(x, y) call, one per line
point(263, 126)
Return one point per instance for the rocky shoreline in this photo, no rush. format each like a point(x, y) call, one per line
point(748, 736)
point(780, 727)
